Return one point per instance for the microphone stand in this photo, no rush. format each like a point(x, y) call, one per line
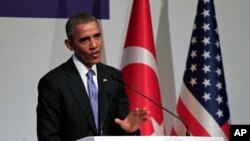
point(157, 104)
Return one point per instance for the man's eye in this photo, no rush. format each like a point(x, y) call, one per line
point(83, 39)
point(98, 35)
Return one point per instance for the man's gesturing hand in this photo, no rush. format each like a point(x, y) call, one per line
point(134, 120)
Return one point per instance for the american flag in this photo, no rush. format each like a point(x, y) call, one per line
point(203, 102)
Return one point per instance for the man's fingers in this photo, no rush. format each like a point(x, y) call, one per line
point(143, 112)
point(118, 121)
point(140, 114)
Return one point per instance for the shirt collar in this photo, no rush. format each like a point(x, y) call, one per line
point(82, 68)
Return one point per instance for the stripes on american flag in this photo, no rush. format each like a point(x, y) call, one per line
point(203, 102)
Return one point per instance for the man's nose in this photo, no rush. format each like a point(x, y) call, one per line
point(93, 43)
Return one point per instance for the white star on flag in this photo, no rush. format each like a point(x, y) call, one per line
point(158, 128)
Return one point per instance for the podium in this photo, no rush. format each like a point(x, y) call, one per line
point(151, 138)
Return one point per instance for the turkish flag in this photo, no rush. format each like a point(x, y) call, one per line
point(139, 67)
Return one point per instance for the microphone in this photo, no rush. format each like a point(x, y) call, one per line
point(157, 104)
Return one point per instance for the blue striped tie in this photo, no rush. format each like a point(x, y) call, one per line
point(93, 95)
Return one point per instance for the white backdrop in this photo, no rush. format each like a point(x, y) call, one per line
point(32, 46)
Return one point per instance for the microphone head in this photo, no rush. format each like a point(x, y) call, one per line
point(113, 77)
point(116, 78)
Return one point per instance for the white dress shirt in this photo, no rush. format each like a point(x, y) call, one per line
point(83, 70)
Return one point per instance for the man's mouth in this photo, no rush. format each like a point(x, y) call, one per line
point(95, 54)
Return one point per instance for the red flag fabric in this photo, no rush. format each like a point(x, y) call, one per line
point(203, 102)
point(139, 67)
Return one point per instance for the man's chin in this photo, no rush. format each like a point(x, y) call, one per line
point(96, 61)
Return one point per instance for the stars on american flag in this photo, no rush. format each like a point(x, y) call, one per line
point(204, 70)
point(219, 85)
point(218, 71)
point(194, 40)
point(193, 53)
point(206, 96)
point(193, 67)
point(218, 58)
point(219, 113)
point(205, 13)
point(219, 99)
point(203, 96)
point(206, 41)
point(217, 43)
point(206, 27)
point(206, 82)
point(206, 54)
point(205, 1)
point(193, 81)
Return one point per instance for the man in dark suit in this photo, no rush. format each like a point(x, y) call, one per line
point(64, 110)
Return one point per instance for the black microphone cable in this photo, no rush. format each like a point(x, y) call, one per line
point(157, 104)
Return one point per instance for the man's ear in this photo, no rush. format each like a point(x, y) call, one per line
point(69, 44)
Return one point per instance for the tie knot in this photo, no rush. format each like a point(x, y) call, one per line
point(90, 74)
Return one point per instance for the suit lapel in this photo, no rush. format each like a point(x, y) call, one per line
point(78, 90)
point(104, 96)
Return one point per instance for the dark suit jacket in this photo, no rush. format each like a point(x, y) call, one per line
point(64, 112)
